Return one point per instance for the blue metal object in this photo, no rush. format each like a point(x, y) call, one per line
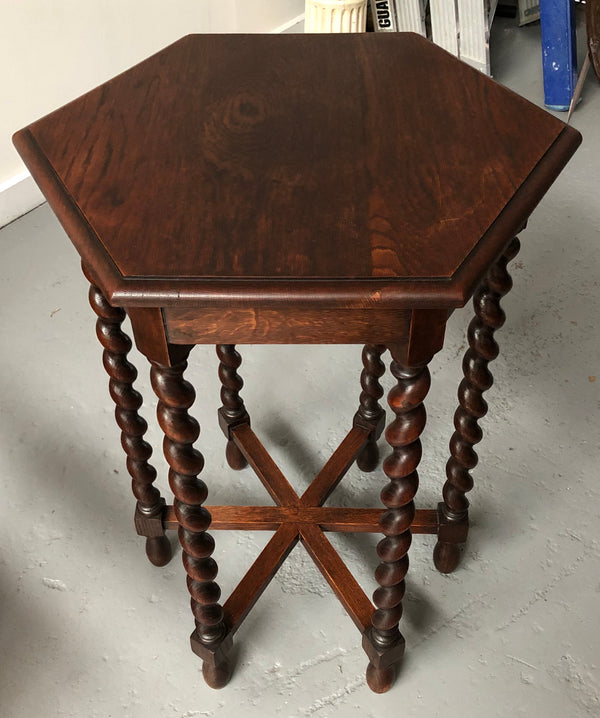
point(559, 52)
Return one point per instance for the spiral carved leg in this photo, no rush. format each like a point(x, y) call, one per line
point(483, 349)
point(370, 412)
point(233, 412)
point(406, 401)
point(176, 396)
point(127, 400)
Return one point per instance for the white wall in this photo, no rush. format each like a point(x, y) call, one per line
point(51, 51)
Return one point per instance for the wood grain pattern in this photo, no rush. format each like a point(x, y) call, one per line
point(329, 518)
point(301, 189)
point(426, 336)
point(325, 482)
point(151, 338)
point(266, 469)
point(207, 325)
point(257, 578)
point(239, 182)
point(243, 161)
point(338, 576)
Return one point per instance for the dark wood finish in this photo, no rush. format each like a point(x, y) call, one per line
point(290, 188)
point(279, 488)
point(122, 373)
point(276, 483)
point(175, 397)
point(329, 518)
point(260, 180)
point(256, 325)
point(336, 468)
point(337, 575)
point(297, 518)
point(426, 336)
point(370, 412)
point(233, 411)
point(151, 339)
point(258, 577)
point(383, 662)
point(406, 401)
point(483, 349)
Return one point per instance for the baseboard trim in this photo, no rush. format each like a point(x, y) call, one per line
point(290, 23)
point(18, 195)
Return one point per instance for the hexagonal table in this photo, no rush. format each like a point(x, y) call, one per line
point(297, 189)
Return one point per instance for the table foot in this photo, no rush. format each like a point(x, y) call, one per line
point(452, 535)
point(158, 550)
point(368, 459)
point(217, 676)
point(383, 661)
point(446, 556)
point(380, 680)
point(151, 524)
point(217, 666)
point(234, 457)
point(370, 412)
point(233, 412)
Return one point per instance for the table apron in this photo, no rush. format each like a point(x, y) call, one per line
point(209, 325)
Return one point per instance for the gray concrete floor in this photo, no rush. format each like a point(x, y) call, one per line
point(89, 628)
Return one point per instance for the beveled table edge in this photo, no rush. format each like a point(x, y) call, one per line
point(393, 293)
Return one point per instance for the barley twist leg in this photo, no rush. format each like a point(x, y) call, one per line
point(406, 401)
point(127, 400)
point(483, 349)
point(176, 396)
point(370, 411)
point(233, 411)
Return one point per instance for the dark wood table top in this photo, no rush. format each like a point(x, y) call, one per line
point(359, 168)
